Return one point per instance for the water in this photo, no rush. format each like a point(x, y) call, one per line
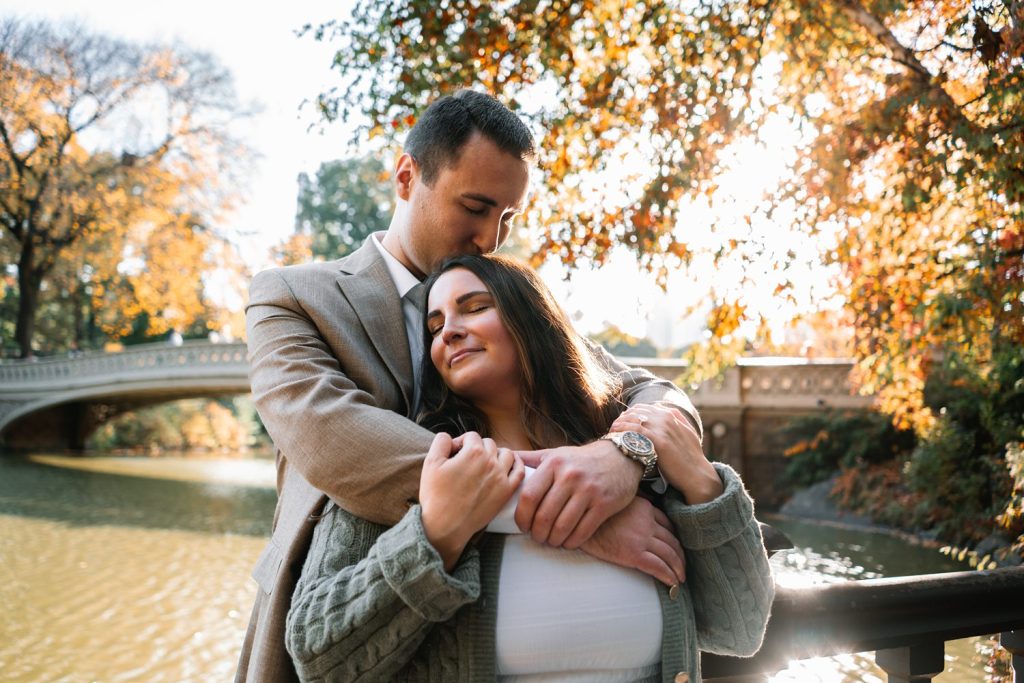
point(827, 554)
point(128, 570)
point(137, 569)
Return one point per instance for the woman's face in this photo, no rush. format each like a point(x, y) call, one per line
point(471, 347)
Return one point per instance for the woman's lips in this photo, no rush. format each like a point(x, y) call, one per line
point(459, 355)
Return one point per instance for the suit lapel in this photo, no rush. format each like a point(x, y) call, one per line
point(367, 284)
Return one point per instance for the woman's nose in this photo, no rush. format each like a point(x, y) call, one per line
point(452, 331)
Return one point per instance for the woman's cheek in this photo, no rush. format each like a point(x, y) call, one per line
point(436, 356)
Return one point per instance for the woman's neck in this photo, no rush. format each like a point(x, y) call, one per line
point(507, 430)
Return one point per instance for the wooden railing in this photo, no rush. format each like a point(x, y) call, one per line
point(906, 621)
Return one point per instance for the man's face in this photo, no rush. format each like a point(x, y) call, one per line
point(469, 207)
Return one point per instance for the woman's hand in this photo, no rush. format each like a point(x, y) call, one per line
point(464, 484)
point(680, 456)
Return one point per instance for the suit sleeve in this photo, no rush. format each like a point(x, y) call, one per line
point(640, 386)
point(365, 457)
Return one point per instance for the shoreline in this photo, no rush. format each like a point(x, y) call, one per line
point(814, 504)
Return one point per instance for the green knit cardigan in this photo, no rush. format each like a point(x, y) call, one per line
point(375, 604)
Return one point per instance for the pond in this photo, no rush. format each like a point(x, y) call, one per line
point(137, 569)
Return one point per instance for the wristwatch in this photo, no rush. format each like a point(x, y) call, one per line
point(637, 448)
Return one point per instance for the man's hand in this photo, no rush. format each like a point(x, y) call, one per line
point(640, 537)
point(574, 490)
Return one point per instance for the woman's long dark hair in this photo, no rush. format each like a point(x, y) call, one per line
point(567, 397)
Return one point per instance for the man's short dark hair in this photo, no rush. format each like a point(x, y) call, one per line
point(447, 124)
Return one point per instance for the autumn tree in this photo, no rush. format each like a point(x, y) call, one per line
point(115, 159)
point(911, 168)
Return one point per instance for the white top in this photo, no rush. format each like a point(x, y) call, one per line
point(404, 281)
point(565, 616)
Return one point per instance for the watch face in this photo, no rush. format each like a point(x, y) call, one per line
point(638, 443)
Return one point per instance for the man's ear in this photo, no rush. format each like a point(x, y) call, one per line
point(407, 173)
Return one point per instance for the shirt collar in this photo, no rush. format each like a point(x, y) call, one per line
point(400, 275)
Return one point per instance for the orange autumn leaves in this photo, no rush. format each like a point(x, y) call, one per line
point(914, 122)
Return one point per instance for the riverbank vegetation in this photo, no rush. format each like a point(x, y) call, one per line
point(962, 480)
point(222, 427)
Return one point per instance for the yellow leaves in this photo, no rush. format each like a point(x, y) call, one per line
point(169, 289)
point(298, 248)
point(807, 445)
point(725, 318)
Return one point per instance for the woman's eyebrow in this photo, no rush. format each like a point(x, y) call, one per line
point(470, 295)
point(462, 298)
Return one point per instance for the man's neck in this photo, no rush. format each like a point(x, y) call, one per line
point(393, 245)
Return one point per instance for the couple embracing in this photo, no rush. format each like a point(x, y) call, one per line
point(468, 490)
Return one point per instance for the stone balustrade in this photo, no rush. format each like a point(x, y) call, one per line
point(149, 360)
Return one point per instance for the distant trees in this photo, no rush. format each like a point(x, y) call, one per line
point(347, 200)
point(619, 343)
point(115, 158)
point(913, 156)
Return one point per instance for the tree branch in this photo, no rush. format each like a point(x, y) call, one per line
point(856, 13)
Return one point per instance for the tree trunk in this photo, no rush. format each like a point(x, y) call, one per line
point(29, 282)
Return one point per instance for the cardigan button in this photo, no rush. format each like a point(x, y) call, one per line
point(682, 677)
point(673, 592)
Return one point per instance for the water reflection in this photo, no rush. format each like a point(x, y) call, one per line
point(112, 576)
point(123, 569)
point(171, 493)
point(828, 554)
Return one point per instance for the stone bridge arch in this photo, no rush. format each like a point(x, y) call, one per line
point(58, 402)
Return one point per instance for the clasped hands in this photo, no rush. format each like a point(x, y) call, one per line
point(579, 497)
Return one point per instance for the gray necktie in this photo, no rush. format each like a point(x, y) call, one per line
point(417, 297)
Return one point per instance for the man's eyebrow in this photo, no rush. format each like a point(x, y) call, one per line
point(482, 198)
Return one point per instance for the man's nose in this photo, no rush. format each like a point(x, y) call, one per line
point(486, 240)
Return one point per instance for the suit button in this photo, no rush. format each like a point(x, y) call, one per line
point(682, 677)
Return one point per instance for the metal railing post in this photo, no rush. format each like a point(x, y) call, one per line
point(1013, 642)
point(913, 664)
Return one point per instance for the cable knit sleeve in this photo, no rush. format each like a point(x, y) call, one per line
point(369, 595)
point(727, 569)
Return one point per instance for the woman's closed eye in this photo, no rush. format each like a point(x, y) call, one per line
point(476, 212)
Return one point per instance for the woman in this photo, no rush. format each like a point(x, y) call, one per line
point(432, 599)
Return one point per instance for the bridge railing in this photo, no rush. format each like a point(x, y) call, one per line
point(60, 373)
point(906, 621)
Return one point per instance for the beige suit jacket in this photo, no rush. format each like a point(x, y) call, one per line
point(332, 380)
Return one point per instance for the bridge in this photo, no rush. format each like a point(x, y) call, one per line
point(57, 402)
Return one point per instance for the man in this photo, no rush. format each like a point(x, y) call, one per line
point(334, 352)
